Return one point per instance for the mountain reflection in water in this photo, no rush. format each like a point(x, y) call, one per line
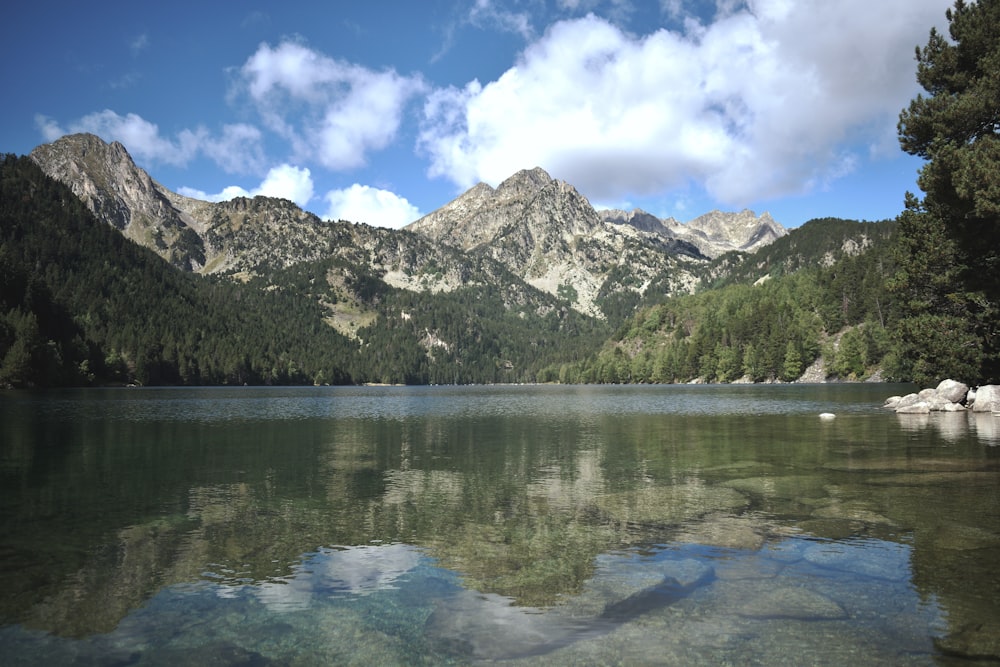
point(586, 525)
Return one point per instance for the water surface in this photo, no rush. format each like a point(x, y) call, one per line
point(677, 525)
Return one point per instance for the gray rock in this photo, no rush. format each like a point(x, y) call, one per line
point(987, 399)
point(793, 602)
point(946, 397)
point(976, 641)
point(919, 408)
point(881, 560)
point(952, 391)
point(892, 402)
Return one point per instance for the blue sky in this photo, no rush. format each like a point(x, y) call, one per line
point(380, 112)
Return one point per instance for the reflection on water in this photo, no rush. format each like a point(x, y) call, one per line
point(333, 572)
point(583, 525)
point(955, 426)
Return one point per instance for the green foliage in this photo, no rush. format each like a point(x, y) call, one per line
point(949, 255)
point(80, 303)
point(822, 240)
point(770, 331)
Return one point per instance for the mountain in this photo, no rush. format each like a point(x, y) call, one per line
point(241, 236)
point(106, 179)
point(274, 286)
point(713, 234)
point(522, 282)
point(539, 229)
point(105, 275)
point(548, 234)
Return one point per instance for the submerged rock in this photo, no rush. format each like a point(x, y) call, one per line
point(878, 559)
point(489, 627)
point(730, 532)
point(792, 602)
point(976, 641)
point(669, 505)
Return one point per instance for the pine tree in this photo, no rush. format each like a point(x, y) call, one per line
point(950, 254)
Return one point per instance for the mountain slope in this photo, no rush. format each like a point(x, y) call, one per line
point(712, 234)
point(813, 304)
point(531, 228)
point(106, 179)
point(548, 234)
point(114, 311)
point(380, 305)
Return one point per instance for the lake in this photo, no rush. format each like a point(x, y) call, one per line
point(584, 525)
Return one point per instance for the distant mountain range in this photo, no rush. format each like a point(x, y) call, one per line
point(540, 229)
point(524, 282)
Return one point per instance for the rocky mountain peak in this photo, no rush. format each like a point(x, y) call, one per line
point(641, 220)
point(107, 180)
point(713, 233)
point(524, 182)
point(540, 229)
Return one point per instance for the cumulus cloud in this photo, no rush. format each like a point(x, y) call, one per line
point(236, 150)
point(284, 181)
point(141, 137)
point(771, 98)
point(333, 112)
point(362, 203)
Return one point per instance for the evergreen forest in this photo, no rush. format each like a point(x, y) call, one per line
point(81, 304)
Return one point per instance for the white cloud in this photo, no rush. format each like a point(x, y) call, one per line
point(486, 14)
point(361, 203)
point(772, 98)
point(237, 150)
point(284, 181)
point(139, 44)
point(141, 137)
point(332, 112)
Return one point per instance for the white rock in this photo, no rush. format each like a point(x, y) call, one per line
point(987, 399)
point(892, 402)
point(952, 391)
point(919, 408)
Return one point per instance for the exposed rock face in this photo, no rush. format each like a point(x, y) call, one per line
point(106, 179)
point(531, 228)
point(713, 233)
point(243, 238)
point(548, 234)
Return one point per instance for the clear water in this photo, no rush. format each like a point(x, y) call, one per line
point(681, 525)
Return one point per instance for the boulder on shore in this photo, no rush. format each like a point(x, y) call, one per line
point(952, 391)
point(987, 399)
point(948, 396)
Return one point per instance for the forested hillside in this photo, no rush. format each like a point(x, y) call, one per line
point(80, 303)
point(819, 291)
